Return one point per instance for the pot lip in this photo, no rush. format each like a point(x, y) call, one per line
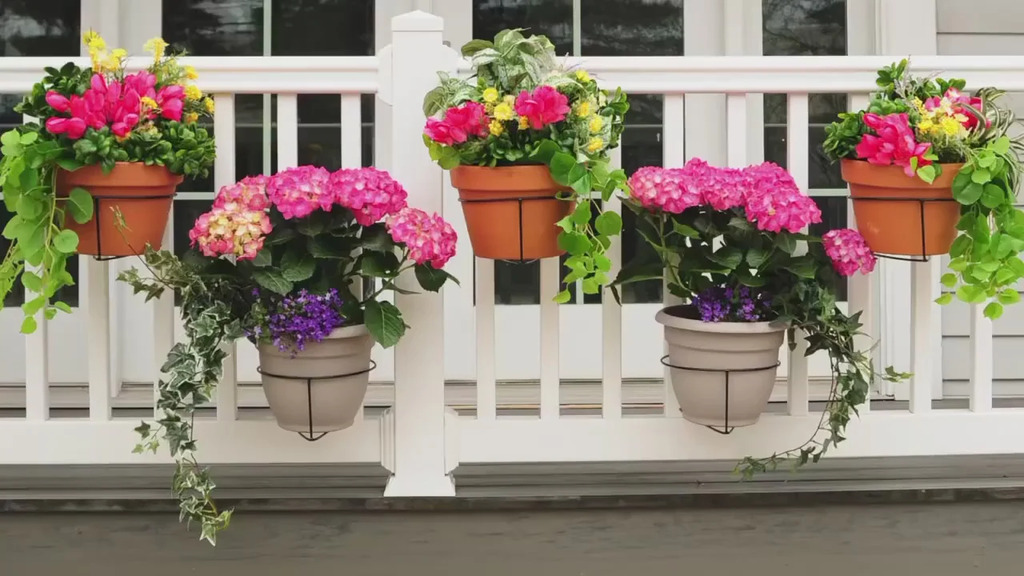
point(856, 171)
point(531, 179)
point(352, 331)
point(676, 317)
point(94, 170)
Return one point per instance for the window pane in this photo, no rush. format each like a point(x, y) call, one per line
point(40, 28)
point(215, 27)
point(552, 18)
point(833, 215)
point(322, 27)
point(632, 28)
point(804, 27)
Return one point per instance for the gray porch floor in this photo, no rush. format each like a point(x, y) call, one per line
point(935, 539)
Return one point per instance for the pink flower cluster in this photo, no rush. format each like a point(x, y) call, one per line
point(767, 193)
point(118, 104)
point(369, 193)
point(429, 239)
point(848, 251)
point(297, 192)
point(958, 99)
point(238, 222)
point(894, 144)
point(458, 124)
point(545, 105)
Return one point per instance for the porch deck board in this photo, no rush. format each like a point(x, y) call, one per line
point(934, 539)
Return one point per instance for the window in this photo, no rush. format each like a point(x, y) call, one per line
point(278, 28)
point(808, 27)
point(621, 28)
point(36, 29)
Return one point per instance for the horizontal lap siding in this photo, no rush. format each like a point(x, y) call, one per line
point(986, 27)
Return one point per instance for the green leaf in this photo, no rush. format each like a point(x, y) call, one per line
point(981, 176)
point(474, 46)
point(994, 310)
point(80, 205)
point(948, 280)
point(944, 299)
point(1009, 296)
point(29, 137)
point(384, 321)
point(66, 241)
point(430, 278)
point(992, 196)
point(378, 264)
point(602, 262)
point(377, 238)
point(34, 305)
point(684, 230)
point(574, 243)
point(609, 223)
point(970, 293)
point(272, 280)
point(756, 257)
point(62, 306)
point(728, 256)
point(563, 297)
point(297, 266)
point(263, 258)
point(591, 286)
point(785, 242)
point(1001, 146)
point(69, 164)
point(28, 325)
point(969, 194)
point(32, 281)
point(927, 173)
point(803, 267)
point(581, 215)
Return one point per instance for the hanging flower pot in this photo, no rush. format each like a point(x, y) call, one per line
point(903, 215)
point(511, 211)
point(141, 195)
point(722, 372)
point(320, 388)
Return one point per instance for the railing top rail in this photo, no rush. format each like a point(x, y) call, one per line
point(232, 74)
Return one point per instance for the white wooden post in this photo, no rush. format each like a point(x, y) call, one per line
point(417, 53)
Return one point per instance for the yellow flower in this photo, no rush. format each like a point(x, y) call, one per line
point(950, 125)
point(583, 76)
point(94, 41)
point(496, 128)
point(524, 123)
point(489, 109)
point(491, 95)
point(596, 123)
point(156, 46)
point(595, 144)
point(148, 102)
point(503, 112)
point(510, 100)
point(583, 110)
point(190, 73)
point(210, 107)
point(925, 125)
point(192, 92)
point(191, 118)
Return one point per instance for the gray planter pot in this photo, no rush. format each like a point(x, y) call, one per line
point(701, 352)
point(332, 402)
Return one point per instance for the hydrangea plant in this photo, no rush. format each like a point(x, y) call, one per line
point(285, 260)
point(733, 243)
point(523, 106)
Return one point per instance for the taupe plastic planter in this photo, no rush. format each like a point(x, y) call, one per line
point(322, 388)
point(700, 353)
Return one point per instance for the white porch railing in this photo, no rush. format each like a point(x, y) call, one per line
point(418, 440)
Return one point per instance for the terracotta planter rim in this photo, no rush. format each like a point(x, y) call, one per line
point(684, 316)
point(863, 172)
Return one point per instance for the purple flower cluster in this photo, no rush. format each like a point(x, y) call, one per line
point(728, 304)
point(304, 317)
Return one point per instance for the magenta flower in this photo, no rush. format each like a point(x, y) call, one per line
point(171, 101)
point(370, 194)
point(895, 143)
point(545, 105)
point(774, 202)
point(248, 194)
point(664, 189)
point(441, 132)
point(239, 232)
point(848, 251)
point(429, 239)
point(58, 102)
point(297, 192)
point(722, 188)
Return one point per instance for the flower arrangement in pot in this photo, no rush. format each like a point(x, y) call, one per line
point(527, 142)
point(731, 243)
point(297, 263)
point(95, 171)
point(934, 170)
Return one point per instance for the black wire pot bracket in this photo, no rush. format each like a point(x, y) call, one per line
point(921, 204)
point(99, 257)
point(312, 436)
point(519, 200)
point(725, 429)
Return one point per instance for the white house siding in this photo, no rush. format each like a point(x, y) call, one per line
point(984, 27)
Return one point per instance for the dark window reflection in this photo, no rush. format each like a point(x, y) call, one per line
point(833, 215)
point(552, 18)
point(39, 28)
point(632, 28)
point(322, 27)
point(215, 27)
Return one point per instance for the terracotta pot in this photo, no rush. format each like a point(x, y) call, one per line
point(700, 353)
point(326, 403)
point(501, 227)
point(895, 226)
point(143, 194)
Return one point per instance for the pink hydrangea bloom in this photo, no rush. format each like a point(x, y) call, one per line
point(369, 193)
point(722, 188)
point(895, 143)
point(848, 251)
point(297, 192)
point(664, 189)
point(248, 194)
point(222, 232)
point(774, 202)
point(429, 239)
point(545, 105)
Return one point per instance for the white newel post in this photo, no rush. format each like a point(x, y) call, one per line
point(419, 466)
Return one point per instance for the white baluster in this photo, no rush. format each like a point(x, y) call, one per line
point(797, 155)
point(549, 344)
point(224, 175)
point(981, 360)
point(611, 320)
point(674, 155)
point(486, 385)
